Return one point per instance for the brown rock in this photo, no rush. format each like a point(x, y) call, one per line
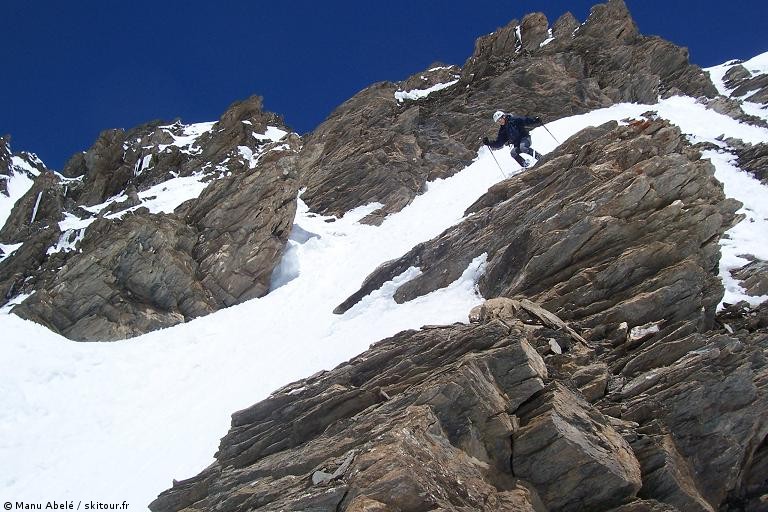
point(571, 454)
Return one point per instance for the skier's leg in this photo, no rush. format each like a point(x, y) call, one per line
point(516, 155)
point(525, 146)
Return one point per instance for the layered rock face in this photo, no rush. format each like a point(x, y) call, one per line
point(383, 146)
point(124, 269)
point(504, 414)
point(616, 229)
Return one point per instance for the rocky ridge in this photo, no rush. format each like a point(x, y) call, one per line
point(105, 262)
point(395, 146)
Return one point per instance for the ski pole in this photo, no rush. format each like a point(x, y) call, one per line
point(549, 132)
point(497, 162)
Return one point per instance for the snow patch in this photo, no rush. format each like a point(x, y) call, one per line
point(8, 250)
point(190, 134)
point(748, 237)
point(273, 134)
point(641, 331)
point(23, 165)
point(67, 241)
point(548, 39)
point(18, 184)
point(417, 94)
point(6, 309)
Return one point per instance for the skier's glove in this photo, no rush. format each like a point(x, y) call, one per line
point(486, 142)
point(537, 119)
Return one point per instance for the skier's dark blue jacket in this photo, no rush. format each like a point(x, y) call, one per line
point(513, 131)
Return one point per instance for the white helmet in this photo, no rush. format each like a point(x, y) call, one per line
point(497, 115)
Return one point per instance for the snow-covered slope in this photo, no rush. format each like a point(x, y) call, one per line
point(117, 421)
point(755, 67)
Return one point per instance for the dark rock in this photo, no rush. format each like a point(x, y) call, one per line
point(133, 276)
point(753, 158)
point(18, 269)
point(667, 475)
point(753, 87)
point(592, 381)
point(732, 108)
point(753, 277)
point(712, 402)
point(618, 226)
point(142, 273)
point(40, 208)
point(5, 164)
point(472, 418)
point(742, 316)
point(105, 172)
point(735, 75)
point(244, 222)
point(147, 271)
point(417, 413)
point(571, 454)
point(376, 149)
point(438, 73)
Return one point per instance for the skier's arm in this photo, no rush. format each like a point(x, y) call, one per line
point(530, 120)
point(501, 138)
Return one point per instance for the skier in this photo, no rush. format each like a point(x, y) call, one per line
point(512, 131)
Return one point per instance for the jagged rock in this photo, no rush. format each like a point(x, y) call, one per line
point(753, 277)
point(511, 310)
point(741, 316)
point(618, 226)
point(431, 419)
point(214, 251)
point(667, 475)
point(421, 421)
point(133, 276)
point(376, 149)
point(438, 73)
point(146, 272)
point(103, 167)
point(735, 75)
point(39, 208)
point(752, 158)
point(753, 89)
point(571, 454)
point(155, 152)
point(732, 108)
point(711, 398)
point(19, 268)
point(592, 381)
point(244, 223)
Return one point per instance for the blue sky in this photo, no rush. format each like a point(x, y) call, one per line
point(73, 69)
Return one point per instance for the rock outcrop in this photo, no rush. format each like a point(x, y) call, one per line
point(487, 417)
point(745, 83)
point(378, 147)
point(124, 270)
point(616, 229)
point(40, 208)
point(753, 158)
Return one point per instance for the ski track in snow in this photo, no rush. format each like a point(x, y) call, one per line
point(116, 421)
